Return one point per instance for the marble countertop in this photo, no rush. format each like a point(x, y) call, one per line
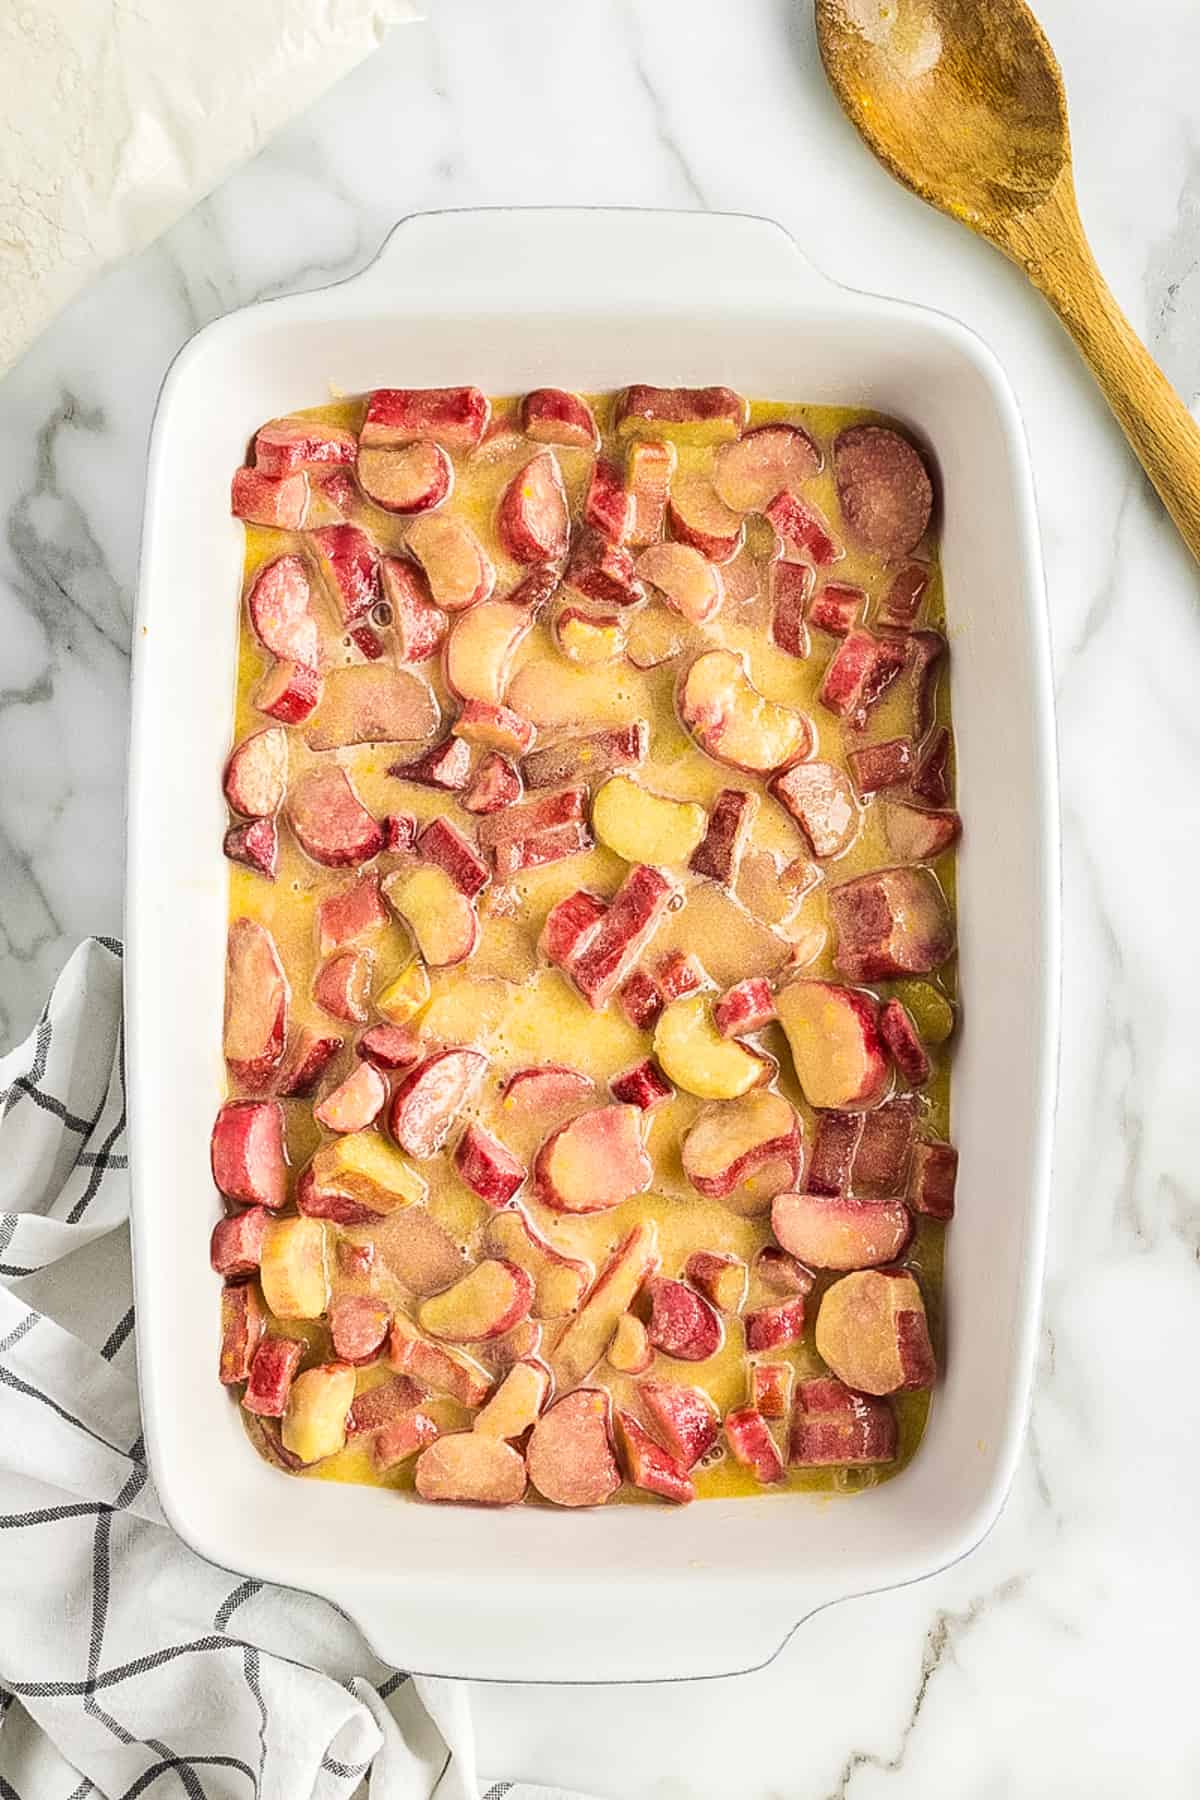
point(1058, 1659)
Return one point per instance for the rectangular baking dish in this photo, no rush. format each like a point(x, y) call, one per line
point(591, 300)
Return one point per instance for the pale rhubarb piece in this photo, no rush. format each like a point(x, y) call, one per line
point(236, 1243)
point(891, 922)
point(803, 529)
point(355, 1103)
point(485, 1166)
point(774, 1327)
point(457, 568)
point(553, 416)
point(594, 1162)
point(695, 1056)
point(586, 1336)
point(684, 1417)
point(263, 500)
point(256, 773)
point(256, 845)
point(420, 625)
point(682, 1324)
point(710, 415)
point(484, 1303)
point(769, 460)
point(589, 638)
point(363, 1173)
point(790, 584)
point(630, 1352)
point(655, 636)
point(358, 1326)
point(643, 827)
point(771, 1389)
point(700, 518)
point(407, 996)
point(744, 1151)
point(293, 1271)
point(355, 1261)
point(918, 833)
point(443, 922)
point(430, 1098)
point(872, 1332)
point(719, 1277)
point(495, 785)
point(377, 1406)
point(456, 416)
point(284, 445)
point(314, 1421)
point(329, 821)
point(648, 1465)
point(883, 489)
point(924, 651)
point(719, 853)
point(584, 758)
point(401, 1438)
point(481, 647)
point(569, 1456)
point(930, 1011)
point(837, 608)
point(439, 1366)
point(342, 986)
point(821, 800)
point(733, 722)
point(649, 469)
point(249, 1163)
point(412, 478)
point(834, 1037)
point(833, 1231)
point(243, 1322)
point(256, 996)
point(271, 1373)
point(832, 1426)
point(516, 1403)
point(677, 974)
point(637, 909)
point(904, 1044)
point(750, 1440)
point(279, 603)
point(642, 1086)
point(399, 831)
point(352, 914)
point(932, 1179)
point(466, 1467)
point(746, 1007)
point(686, 580)
point(559, 1281)
point(372, 703)
point(780, 1273)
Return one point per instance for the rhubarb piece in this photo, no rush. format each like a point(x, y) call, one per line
point(293, 1272)
point(390, 1047)
point(732, 721)
point(924, 651)
point(643, 827)
point(372, 703)
point(405, 997)
point(278, 604)
point(256, 774)
point(720, 1278)
point(569, 1456)
point(607, 507)
point(902, 602)
point(381, 1405)
point(700, 518)
point(448, 1370)
point(776, 1270)
point(832, 1427)
point(821, 800)
point(235, 1247)
point(883, 488)
point(719, 853)
point(283, 446)
point(834, 1037)
point(243, 1322)
point(641, 1001)
point(496, 728)
point(834, 1232)
point(695, 1056)
point(552, 416)
point(314, 1421)
point(420, 1252)
point(271, 1372)
point(790, 584)
point(516, 1403)
point(353, 913)
point(429, 1099)
point(486, 1167)
point(594, 1162)
point(441, 918)
point(769, 460)
point(305, 1059)
point(891, 922)
point(350, 569)
point(399, 831)
point(534, 852)
point(746, 1007)
point(642, 1086)
point(359, 1327)
point(256, 996)
point(774, 1327)
point(355, 1261)
point(649, 471)
point(918, 833)
point(930, 1011)
point(256, 845)
point(630, 1352)
point(834, 1147)
point(584, 758)
point(932, 1179)
point(570, 927)
point(289, 692)
point(744, 1151)
point(684, 1416)
point(931, 777)
point(495, 785)
point(456, 567)
point(447, 766)
point(904, 1044)
point(771, 1389)
point(262, 500)
point(472, 1468)
point(589, 638)
point(884, 1149)
point(411, 479)
point(678, 974)
point(356, 1179)
point(248, 1160)
point(545, 1092)
point(444, 845)
point(329, 821)
point(603, 572)
point(682, 1324)
point(558, 1281)
point(522, 1344)
point(533, 523)
point(711, 415)
point(420, 625)
point(837, 608)
point(587, 1335)
point(394, 1443)
point(480, 649)
point(485, 1303)
point(861, 669)
point(355, 1103)
point(648, 1465)
point(688, 584)
point(456, 416)
point(802, 529)
point(342, 986)
point(535, 590)
point(634, 915)
point(871, 1330)
point(884, 765)
point(750, 1440)
point(339, 490)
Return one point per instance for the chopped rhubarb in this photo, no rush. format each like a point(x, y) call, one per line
point(762, 463)
point(834, 1145)
point(446, 766)
point(399, 831)
point(235, 1247)
point(837, 608)
point(636, 911)
point(803, 530)
point(902, 602)
point(400, 1439)
point(585, 758)
point(682, 1324)
point(872, 1332)
point(570, 927)
point(832, 1231)
point(409, 479)
point(630, 1352)
point(720, 1278)
point(833, 1426)
point(353, 913)
point(884, 1148)
point(834, 1037)
point(734, 723)
point(780, 1272)
point(439, 1366)
point(284, 445)
point(586, 1336)
point(356, 1179)
point(891, 922)
point(648, 1465)
point(774, 1327)
point(444, 844)
point(495, 785)
point(455, 415)
point(883, 765)
point(821, 800)
point(931, 777)
point(925, 650)
point(919, 833)
point(358, 1327)
point(249, 1164)
point(904, 1043)
point(535, 851)
point(559, 1282)
point(293, 1270)
point(744, 1151)
point(640, 1000)
point(430, 1097)
point(496, 728)
point(607, 508)
point(262, 500)
point(256, 773)
point(329, 821)
point(342, 986)
point(932, 1179)
point(355, 1103)
point(643, 1086)
point(547, 812)
point(471, 1468)
point(350, 567)
point(256, 845)
point(648, 474)
point(771, 1389)
point(256, 997)
point(373, 704)
point(305, 1059)
point(688, 583)
point(289, 692)
point(545, 1092)
point(594, 1162)
point(791, 584)
point(271, 1373)
point(684, 1417)
point(420, 625)
point(484, 1303)
point(570, 1457)
point(707, 415)
point(243, 1322)
point(883, 488)
point(700, 518)
point(516, 1403)
point(487, 1167)
point(533, 522)
point(380, 1405)
point(603, 572)
point(750, 1440)
point(457, 568)
point(719, 853)
point(677, 974)
point(746, 1007)
point(390, 1046)
point(354, 1260)
point(552, 416)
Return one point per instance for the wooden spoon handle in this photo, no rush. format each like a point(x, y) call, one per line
point(1163, 434)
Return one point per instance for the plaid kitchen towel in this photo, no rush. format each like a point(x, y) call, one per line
point(128, 1665)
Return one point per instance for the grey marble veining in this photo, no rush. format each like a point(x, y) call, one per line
point(1059, 1659)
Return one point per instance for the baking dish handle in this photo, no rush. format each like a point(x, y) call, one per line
point(588, 258)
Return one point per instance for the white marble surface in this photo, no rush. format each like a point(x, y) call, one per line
point(1060, 1658)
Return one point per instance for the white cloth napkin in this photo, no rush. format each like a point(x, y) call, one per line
point(116, 118)
point(126, 1660)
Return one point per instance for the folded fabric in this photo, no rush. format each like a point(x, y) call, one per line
point(124, 1657)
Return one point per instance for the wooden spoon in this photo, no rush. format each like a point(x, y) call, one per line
point(963, 101)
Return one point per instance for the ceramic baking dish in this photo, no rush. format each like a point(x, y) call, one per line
point(591, 300)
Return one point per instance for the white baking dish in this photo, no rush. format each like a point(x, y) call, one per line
point(591, 300)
